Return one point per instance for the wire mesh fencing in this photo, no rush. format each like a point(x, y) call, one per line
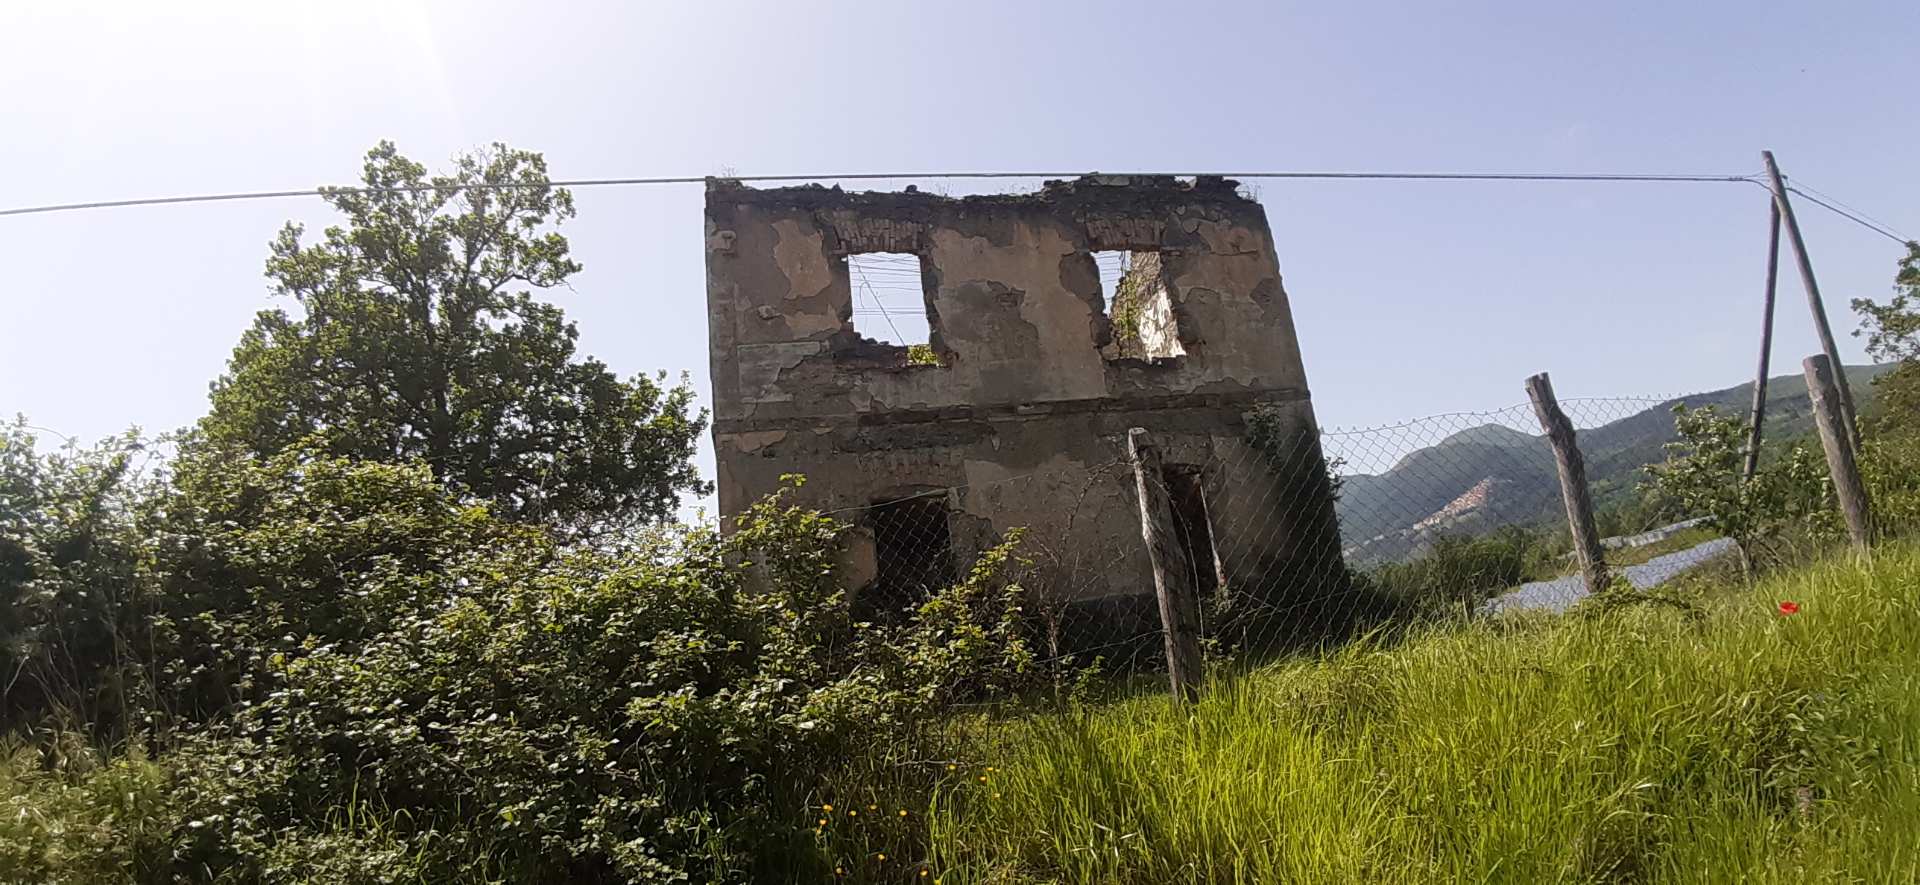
point(1463, 512)
point(1281, 539)
point(1079, 555)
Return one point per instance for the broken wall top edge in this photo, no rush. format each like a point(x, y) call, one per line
point(1091, 192)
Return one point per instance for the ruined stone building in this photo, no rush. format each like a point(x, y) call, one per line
point(1015, 411)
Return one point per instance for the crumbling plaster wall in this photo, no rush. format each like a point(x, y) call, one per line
point(1025, 417)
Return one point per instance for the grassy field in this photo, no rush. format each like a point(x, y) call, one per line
point(1723, 741)
point(1703, 737)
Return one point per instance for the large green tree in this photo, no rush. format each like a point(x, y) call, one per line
point(1892, 331)
point(418, 336)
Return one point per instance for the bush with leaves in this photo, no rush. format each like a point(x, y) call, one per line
point(130, 594)
point(663, 713)
point(256, 558)
point(1890, 456)
point(1780, 513)
point(1890, 470)
point(71, 814)
point(1457, 574)
point(69, 596)
point(1892, 329)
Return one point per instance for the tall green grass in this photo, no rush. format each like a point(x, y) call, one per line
point(1645, 743)
point(1714, 740)
point(68, 813)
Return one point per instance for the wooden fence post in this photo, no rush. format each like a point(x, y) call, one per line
point(1829, 416)
point(1573, 481)
point(1179, 608)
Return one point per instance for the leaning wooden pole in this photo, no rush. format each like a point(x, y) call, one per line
point(1779, 187)
point(1759, 413)
point(1172, 580)
point(1573, 481)
point(1847, 487)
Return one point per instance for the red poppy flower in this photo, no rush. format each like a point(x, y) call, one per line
point(1789, 608)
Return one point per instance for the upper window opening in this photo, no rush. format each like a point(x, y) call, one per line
point(1113, 266)
point(1133, 290)
point(890, 304)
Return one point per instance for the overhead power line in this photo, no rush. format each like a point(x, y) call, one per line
point(1850, 216)
point(864, 176)
point(1822, 200)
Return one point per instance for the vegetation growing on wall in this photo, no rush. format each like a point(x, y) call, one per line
point(922, 355)
point(1129, 299)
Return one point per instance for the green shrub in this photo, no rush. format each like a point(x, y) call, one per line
point(135, 600)
point(256, 559)
point(668, 711)
point(356, 676)
point(1783, 513)
point(68, 814)
point(1458, 573)
point(1890, 457)
point(69, 599)
point(1890, 469)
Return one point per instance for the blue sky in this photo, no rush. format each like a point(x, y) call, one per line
point(1410, 298)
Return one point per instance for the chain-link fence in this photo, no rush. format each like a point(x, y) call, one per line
point(1464, 511)
point(1283, 541)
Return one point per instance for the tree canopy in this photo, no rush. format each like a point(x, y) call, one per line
point(1892, 331)
point(418, 336)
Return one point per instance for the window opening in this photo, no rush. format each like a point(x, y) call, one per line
point(913, 552)
point(890, 303)
point(1133, 291)
point(1193, 528)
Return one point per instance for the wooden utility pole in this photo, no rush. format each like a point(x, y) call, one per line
point(1172, 579)
point(1759, 413)
point(1573, 481)
point(1840, 461)
point(1780, 201)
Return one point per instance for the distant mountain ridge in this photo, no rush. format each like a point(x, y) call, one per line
point(1490, 475)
